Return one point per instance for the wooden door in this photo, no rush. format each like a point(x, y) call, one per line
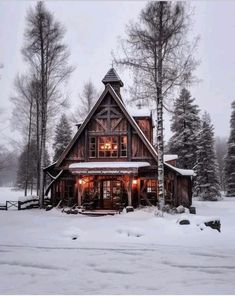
point(107, 194)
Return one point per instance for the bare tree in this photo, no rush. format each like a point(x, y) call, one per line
point(86, 101)
point(23, 116)
point(47, 57)
point(157, 51)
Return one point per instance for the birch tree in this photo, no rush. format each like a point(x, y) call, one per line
point(161, 57)
point(47, 57)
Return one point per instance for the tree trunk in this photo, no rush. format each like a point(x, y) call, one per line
point(160, 145)
point(43, 119)
point(28, 149)
point(38, 146)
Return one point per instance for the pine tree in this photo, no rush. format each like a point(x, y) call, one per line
point(230, 158)
point(185, 126)
point(63, 135)
point(207, 181)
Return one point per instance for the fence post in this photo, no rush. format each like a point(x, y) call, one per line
point(19, 206)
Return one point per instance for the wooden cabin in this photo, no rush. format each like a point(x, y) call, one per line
point(111, 161)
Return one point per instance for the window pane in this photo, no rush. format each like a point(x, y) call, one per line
point(92, 147)
point(108, 147)
point(123, 153)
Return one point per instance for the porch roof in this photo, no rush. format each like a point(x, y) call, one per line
point(182, 172)
point(118, 167)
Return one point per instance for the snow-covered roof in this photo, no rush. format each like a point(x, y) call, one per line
point(169, 157)
point(136, 112)
point(182, 172)
point(109, 165)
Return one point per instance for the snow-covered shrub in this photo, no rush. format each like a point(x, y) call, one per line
point(158, 213)
point(180, 209)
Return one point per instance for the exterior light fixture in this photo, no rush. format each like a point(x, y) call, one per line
point(134, 182)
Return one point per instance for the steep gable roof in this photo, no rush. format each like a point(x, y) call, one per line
point(121, 105)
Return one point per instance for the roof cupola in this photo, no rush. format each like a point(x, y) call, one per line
point(114, 80)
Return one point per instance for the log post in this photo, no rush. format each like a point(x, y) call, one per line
point(79, 186)
point(129, 191)
point(176, 199)
point(138, 188)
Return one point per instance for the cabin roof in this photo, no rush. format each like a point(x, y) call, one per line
point(112, 76)
point(131, 120)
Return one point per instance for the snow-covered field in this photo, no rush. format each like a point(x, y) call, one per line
point(134, 253)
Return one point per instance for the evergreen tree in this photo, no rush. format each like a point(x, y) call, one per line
point(206, 169)
point(63, 135)
point(230, 158)
point(185, 127)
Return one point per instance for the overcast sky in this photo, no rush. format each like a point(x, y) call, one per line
point(92, 33)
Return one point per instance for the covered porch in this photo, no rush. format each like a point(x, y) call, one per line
point(111, 185)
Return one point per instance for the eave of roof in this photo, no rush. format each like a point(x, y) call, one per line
point(169, 157)
point(108, 164)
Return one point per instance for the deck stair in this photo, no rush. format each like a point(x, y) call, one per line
point(99, 213)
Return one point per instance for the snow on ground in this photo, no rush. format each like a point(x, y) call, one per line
point(136, 253)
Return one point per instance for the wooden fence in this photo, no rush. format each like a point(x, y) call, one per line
point(22, 205)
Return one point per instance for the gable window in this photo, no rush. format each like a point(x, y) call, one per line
point(123, 150)
point(92, 147)
point(108, 147)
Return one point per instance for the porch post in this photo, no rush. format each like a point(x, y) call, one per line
point(129, 191)
point(79, 192)
point(138, 187)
